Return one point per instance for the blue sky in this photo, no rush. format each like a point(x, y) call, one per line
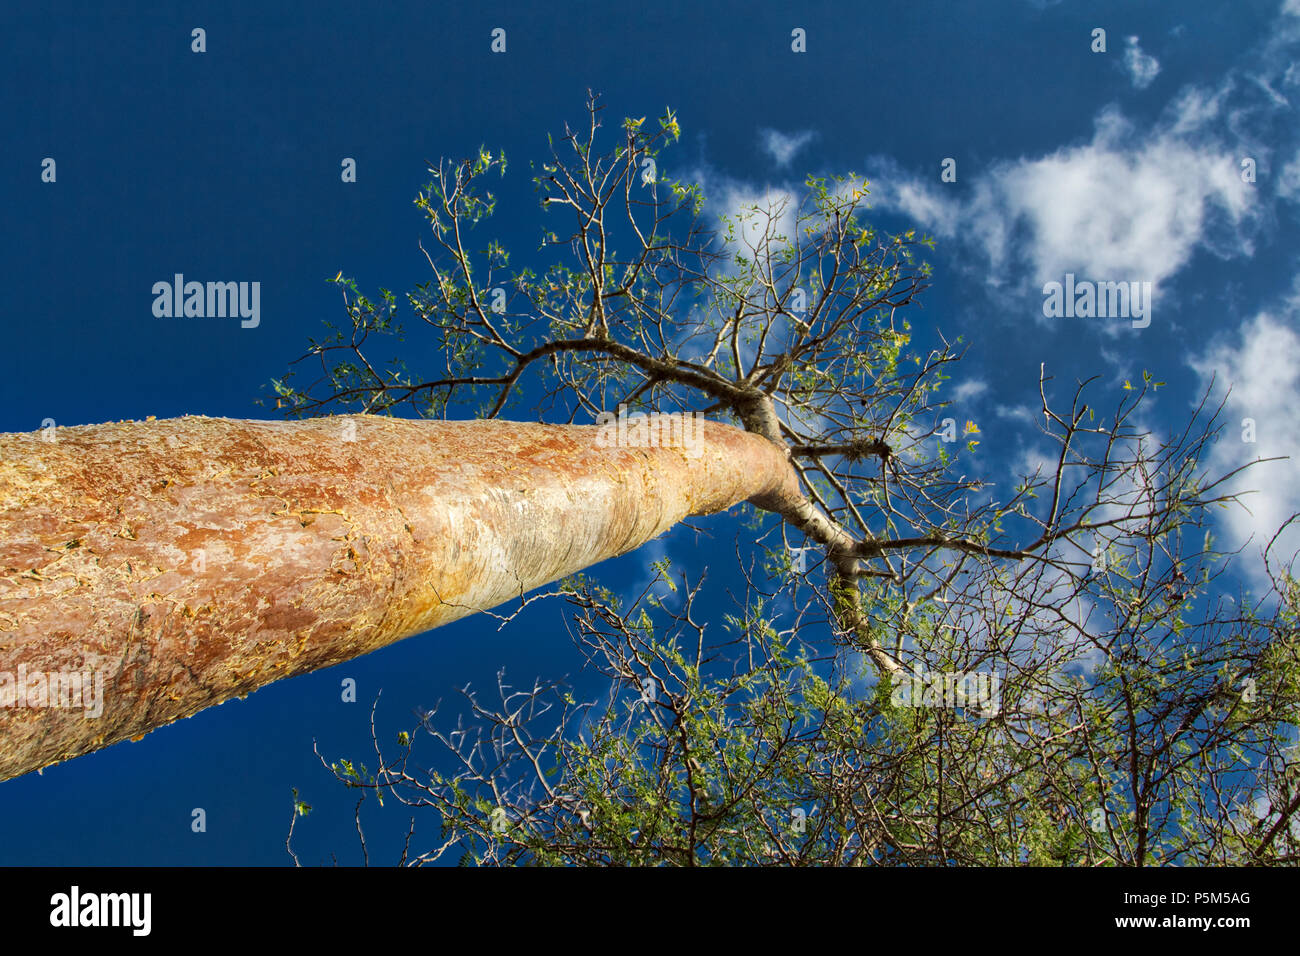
point(1117, 166)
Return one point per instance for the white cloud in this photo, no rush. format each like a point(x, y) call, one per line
point(782, 147)
point(1141, 67)
point(756, 222)
point(1261, 365)
point(969, 390)
point(763, 220)
point(1195, 108)
point(1288, 180)
point(1130, 205)
point(918, 200)
point(1031, 461)
point(1277, 98)
point(656, 549)
point(1135, 202)
point(1025, 414)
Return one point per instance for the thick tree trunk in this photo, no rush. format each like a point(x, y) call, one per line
point(176, 564)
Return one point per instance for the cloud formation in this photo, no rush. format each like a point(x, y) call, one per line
point(782, 147)
point(1131, 204)
point(1260, 364)
point(1141, 67)
point(1139, 199)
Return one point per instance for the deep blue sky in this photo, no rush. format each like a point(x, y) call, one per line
point(225, 165)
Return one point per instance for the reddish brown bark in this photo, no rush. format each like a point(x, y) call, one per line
point(192, 560)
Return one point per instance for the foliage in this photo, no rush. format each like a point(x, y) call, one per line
point(1053, 675)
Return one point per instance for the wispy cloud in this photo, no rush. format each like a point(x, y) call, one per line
point(1288, 180)
point(1138, 200)
point(1127, 205)
point(782, 147)
point(1141, 67)
point(969, 390)
point(1260, 363)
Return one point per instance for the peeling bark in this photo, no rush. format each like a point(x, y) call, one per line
point(188, 561)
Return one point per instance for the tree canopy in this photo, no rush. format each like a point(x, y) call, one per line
point(925, 668)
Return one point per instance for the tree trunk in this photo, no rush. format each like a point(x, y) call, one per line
point(151, 569)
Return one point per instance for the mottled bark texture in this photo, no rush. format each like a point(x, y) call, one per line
point(193, 560)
